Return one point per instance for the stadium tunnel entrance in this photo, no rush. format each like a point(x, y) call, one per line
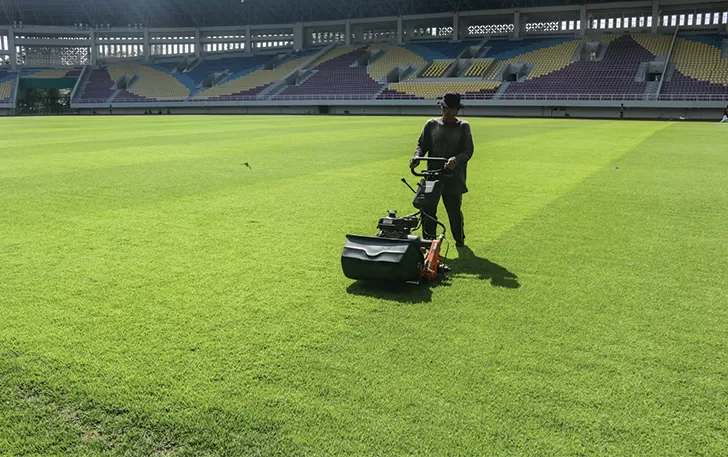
point(44, 96)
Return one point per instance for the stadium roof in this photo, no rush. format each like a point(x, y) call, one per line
point(207, 13)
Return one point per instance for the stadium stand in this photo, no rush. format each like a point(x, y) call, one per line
point(714, 40)
point(237, 67)
point(546, 54)
point(7, 81)
point(396, 56)
point(250, 84)
point(507, 49)
point(551, 67)
point(700, 69)
point(97, 87)
point(614, 74)
point(183, 78)
point(338, 75)
point(692, 89)
point(154, 82)
point(439, 51)
point(659, 45)
point(544, 60)
point(5, 91)
point(170, 67)
point(478, 68)
point(436, 69)
point(335, 53)
point(151, 83)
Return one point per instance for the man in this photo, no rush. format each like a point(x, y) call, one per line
point(447, 137)
point(621, 111)
point(725, 114)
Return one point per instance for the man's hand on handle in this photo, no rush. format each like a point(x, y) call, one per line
point(450, 164)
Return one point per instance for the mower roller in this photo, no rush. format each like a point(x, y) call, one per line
point(395, 254)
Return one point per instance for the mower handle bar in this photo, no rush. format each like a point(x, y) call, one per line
point(428, 159)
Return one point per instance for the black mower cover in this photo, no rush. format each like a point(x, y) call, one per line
point(382, 259)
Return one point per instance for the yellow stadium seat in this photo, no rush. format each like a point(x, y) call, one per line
point(544, 60)
point(396, 56)
point(658, 45)
point(6, 89)
point(151, 83)
point(437, 69)
point(334, 53)
point(478, 68)
point(700, 61)
point(253, 80)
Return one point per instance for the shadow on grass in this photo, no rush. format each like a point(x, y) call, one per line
point(468, 263)
point(405, 293)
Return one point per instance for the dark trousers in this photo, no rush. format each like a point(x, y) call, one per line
point(453, 204)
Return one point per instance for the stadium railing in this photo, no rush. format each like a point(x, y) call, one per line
point(353, 97)
point(233, 98)
point(617, 97)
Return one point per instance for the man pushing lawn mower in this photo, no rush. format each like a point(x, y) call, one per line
point(395, 254)
point(450, 138)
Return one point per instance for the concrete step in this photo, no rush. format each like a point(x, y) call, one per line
point(501, 90)
point(602, 51)
point(651, 89)
point(577, 54)
point(669, 72)
point(641, 72)
point(307, 77)
point(382, 89)
point(113, 96)
point(272, 93)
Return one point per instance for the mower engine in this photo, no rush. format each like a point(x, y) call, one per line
point(392, 226)
point(395, 254)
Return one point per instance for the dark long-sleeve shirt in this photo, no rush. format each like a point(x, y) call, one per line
point(439, 139)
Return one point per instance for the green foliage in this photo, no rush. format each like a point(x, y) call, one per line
point(157, 297)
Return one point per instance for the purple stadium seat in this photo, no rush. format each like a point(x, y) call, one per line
point(337, 77)
point(615, 74)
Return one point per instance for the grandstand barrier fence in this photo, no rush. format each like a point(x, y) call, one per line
point(228, 98)
point(668, 111)
point(355, 97)
point(617, 97)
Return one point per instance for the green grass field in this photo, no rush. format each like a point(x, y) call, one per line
point(159, 298)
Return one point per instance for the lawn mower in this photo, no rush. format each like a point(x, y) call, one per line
point(395, 254)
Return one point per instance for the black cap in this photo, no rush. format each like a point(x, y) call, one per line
point(451, 100)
